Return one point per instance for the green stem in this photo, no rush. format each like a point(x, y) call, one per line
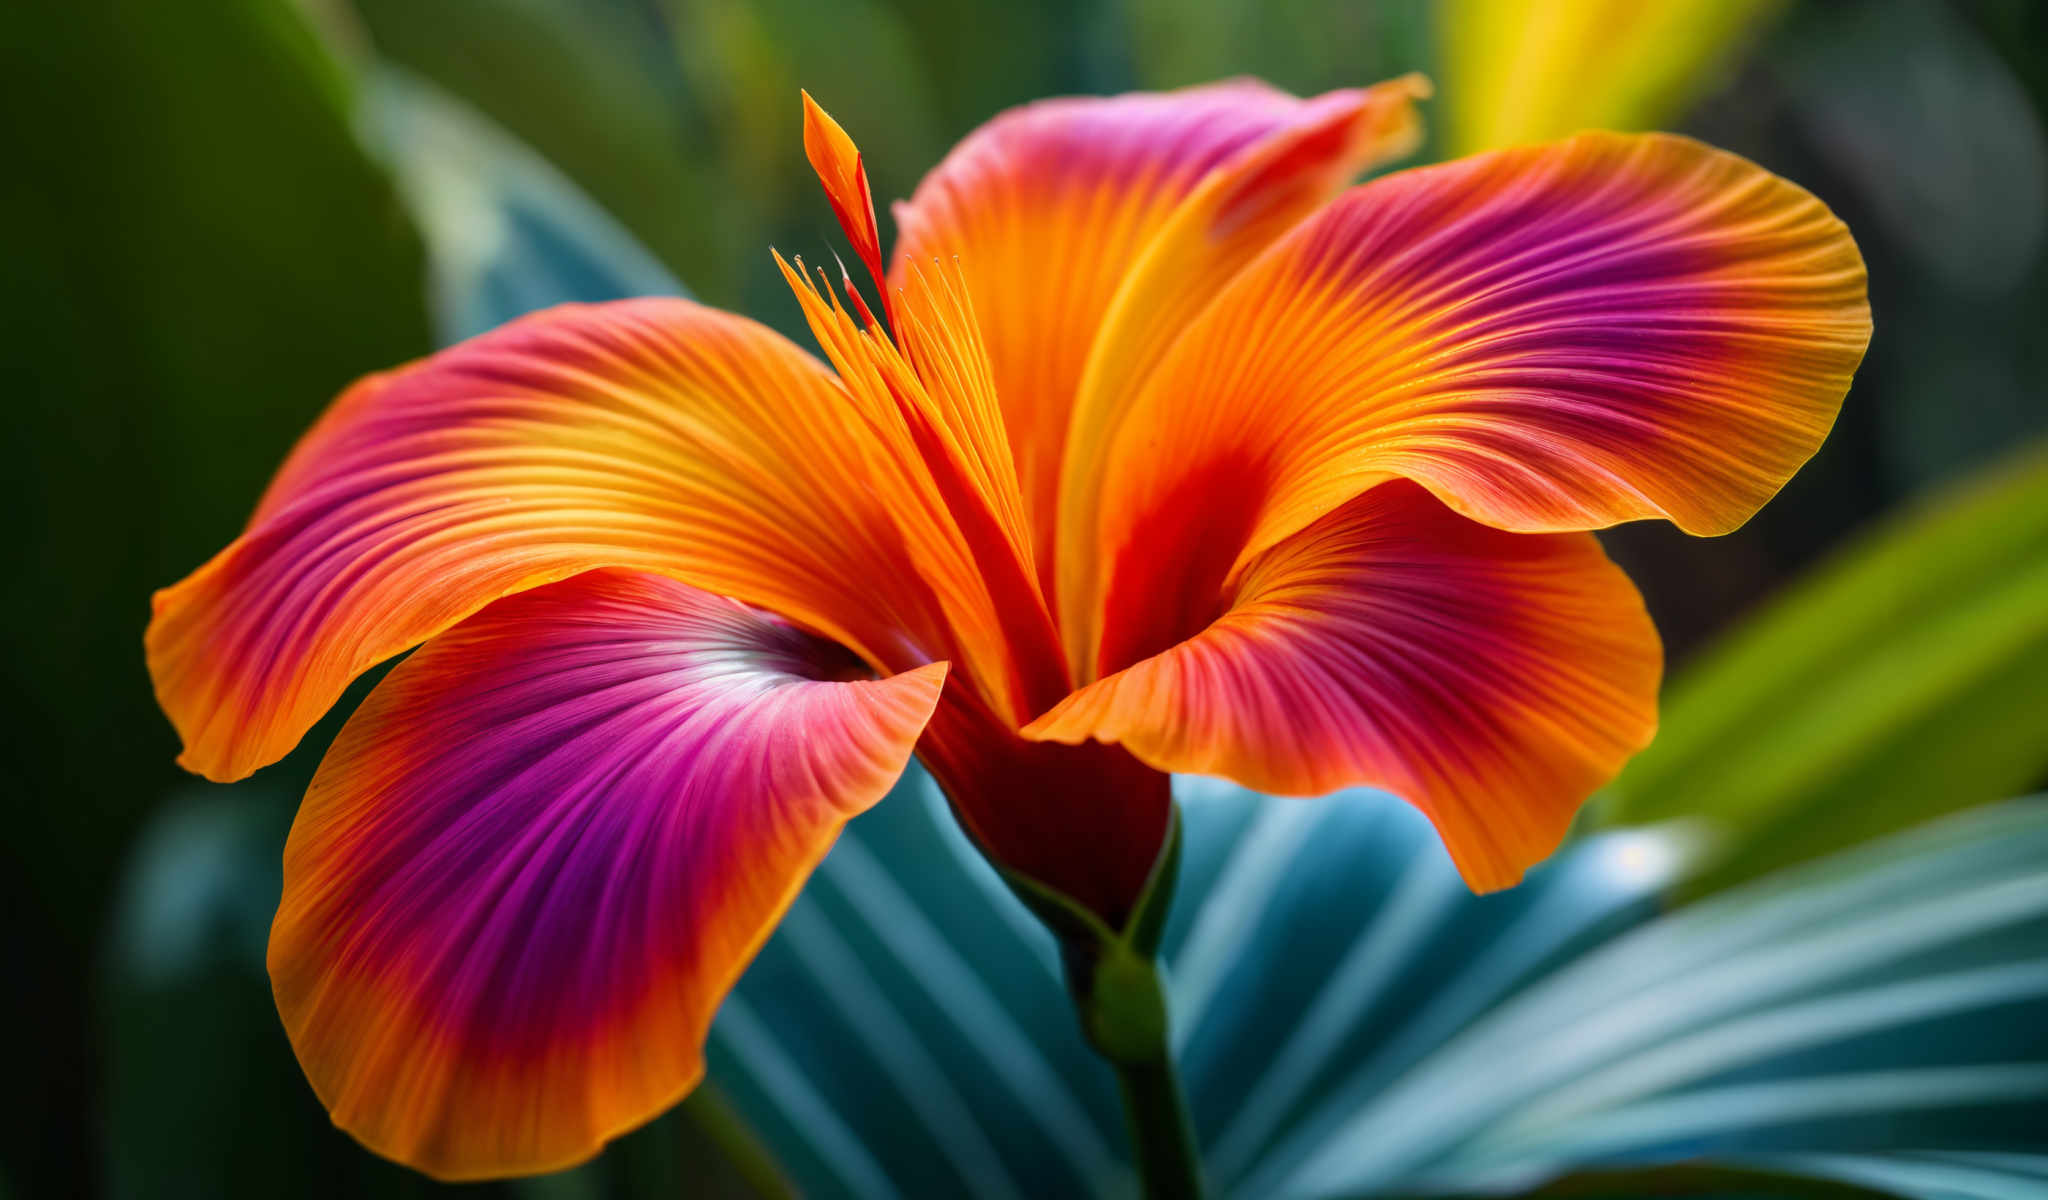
point(1162, 1137)
point(1113, 980)
point(1121, 1001)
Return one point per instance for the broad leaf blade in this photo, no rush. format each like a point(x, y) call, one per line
point(1516, 72)
point(1351, 1021)
point(1675, 1180)
point(1905, 678)
point(906, 1029)
point(1883, 1000)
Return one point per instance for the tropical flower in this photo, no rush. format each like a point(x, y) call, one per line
point(1163, 450)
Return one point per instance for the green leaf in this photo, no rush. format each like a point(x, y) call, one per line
point(1906, 677)
point(1147, 925)
point(594, 89)
point(203, 1094)
point(1516, 72)
point(1883, 1001)
point(199, 257)
point(908, 1026)
point(506, 233)
point(1350, 1020)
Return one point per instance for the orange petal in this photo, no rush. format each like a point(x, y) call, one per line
point(1549, 338)
point(1049, 207)
point(1492, 679)
point(544, 849)
point(655, 434)
point(838, 163)
point(1238, 210)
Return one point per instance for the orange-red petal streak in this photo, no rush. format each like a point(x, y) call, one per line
point(1238, 210)
point(1492, 679)
point(1548, 338)
point(1049, 207)
point(655, 434)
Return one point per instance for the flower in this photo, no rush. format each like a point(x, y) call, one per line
point(1167, 451)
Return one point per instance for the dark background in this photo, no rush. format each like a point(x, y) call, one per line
point(201, 253)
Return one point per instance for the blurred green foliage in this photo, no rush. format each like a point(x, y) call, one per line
point(1515, 72)
point(199, 255)
point(204, 250)
point(1901, 680)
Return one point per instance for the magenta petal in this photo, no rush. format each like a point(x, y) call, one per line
point(544, 849)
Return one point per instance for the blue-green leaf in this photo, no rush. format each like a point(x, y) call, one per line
point(593, 87)
point(506, 233)
point(1352, 1021)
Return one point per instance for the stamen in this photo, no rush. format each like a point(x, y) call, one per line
point(924, 382)
point(846, 284)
